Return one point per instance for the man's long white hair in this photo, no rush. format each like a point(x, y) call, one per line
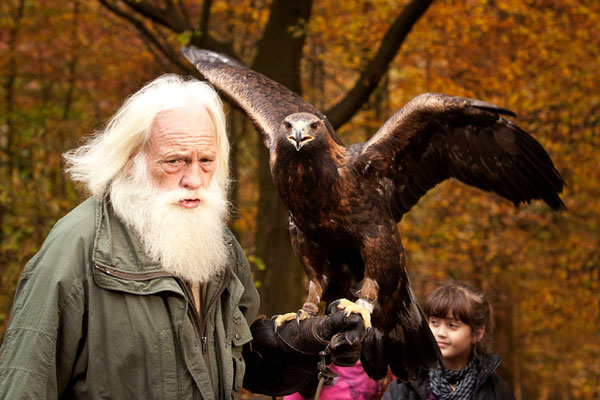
point(98, 162)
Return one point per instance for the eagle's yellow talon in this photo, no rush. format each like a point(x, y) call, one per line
point(351, 307)
point(298, 316)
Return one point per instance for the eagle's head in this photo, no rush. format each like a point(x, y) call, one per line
point(302, 128)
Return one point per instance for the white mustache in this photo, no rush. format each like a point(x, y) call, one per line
point(177, 195)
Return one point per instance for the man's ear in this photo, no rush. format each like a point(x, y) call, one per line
point(478, 334)
point(130, 160)
point(133, 154)
point(129, 163)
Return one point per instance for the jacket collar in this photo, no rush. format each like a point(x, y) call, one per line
point(116, 246)
point(488, 364)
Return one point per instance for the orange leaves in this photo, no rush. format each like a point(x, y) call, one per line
point(536, 57)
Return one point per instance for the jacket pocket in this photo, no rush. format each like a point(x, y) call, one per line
point(241, 335)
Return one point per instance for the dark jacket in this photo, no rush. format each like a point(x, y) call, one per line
point(94, 317)
point(489, 385)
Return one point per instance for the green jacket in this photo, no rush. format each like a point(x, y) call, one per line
point(94, 318)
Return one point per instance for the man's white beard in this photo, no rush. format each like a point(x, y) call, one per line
point(189, 243)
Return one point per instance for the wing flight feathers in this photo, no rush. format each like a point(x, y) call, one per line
point(436, 137)
point(265, 101)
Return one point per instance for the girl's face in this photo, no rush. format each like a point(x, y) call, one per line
point(455, 339)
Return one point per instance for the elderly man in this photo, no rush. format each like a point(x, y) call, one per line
point(142, 291)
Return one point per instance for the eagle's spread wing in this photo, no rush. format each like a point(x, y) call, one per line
point(436, 136)
point(265, 101)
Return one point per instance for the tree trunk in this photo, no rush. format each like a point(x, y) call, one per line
point(233, 121)
point(279, 55)
point(515, 349)
point(9, 88)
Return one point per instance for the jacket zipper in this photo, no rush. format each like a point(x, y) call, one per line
point(201, 321)
point(197, 318)
point(211, 304)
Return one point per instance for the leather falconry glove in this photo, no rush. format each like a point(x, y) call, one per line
point(286, 360)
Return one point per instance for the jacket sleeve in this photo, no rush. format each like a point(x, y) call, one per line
point(45, 327)
point(501, 389)
point(274, 367)
point(396, 391)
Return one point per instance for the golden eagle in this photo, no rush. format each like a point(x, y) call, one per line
point(344, 201)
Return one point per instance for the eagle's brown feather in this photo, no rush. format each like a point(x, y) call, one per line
point(344, 202)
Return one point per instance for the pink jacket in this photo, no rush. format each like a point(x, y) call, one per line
point(352, 383)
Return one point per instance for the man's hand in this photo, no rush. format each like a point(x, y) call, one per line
point(343, 333)
point(287, 360)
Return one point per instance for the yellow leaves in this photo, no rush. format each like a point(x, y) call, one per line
point(184, 37)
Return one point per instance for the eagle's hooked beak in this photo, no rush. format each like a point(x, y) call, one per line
point(298, 136)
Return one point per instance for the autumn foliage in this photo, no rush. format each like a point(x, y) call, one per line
point(66, 66)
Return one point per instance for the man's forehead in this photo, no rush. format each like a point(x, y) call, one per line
point(182, 120)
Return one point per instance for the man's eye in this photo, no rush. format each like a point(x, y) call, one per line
point(207, 162)
point(173, 165)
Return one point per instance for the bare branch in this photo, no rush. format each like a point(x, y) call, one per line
point(205, 17)
point(157, 55)
point(183, 11)
point(174, 57)
point(378, 65)
point(165, 17)
point(170, 20)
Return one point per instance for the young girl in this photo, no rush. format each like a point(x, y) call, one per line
point(460, 318)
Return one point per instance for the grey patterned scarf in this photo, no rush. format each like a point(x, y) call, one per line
point(462, 380)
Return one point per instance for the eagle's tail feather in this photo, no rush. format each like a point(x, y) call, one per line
point(411, 348)
point(372, 356)
point(408, 348)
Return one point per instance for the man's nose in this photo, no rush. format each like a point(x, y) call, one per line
point(194, 177)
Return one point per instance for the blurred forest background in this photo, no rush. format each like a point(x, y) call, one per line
point(65, 66)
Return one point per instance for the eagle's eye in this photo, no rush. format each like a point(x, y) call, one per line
point(287, 125)
point(314, 125)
